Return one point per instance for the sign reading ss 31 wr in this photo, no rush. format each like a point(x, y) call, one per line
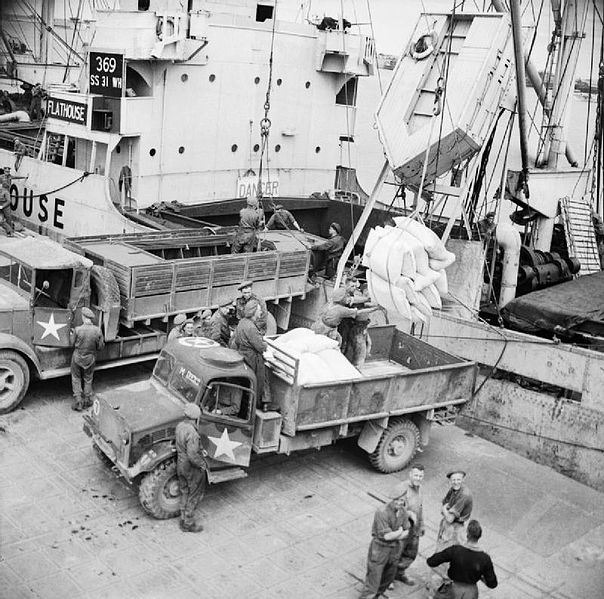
point(106, 74)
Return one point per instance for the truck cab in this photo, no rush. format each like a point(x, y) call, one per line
point(134, 425)
point(42, 287)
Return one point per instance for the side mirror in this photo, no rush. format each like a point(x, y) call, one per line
point(39, 292)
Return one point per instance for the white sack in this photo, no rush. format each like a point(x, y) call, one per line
point(338, 365)
point(392, 298)
point(430, 240)
point(442, 284)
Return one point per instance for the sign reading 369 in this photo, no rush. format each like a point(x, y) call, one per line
point(106, 74)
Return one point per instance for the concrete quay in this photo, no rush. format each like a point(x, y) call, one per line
point(298, 526)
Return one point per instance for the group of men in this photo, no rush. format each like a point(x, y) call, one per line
point(325, 254)
point(398, 526)
point(240, 324)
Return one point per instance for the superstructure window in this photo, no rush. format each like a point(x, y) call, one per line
point(347, 96)
point(264, 12)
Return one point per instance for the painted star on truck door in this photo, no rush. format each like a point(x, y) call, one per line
point(232, 446)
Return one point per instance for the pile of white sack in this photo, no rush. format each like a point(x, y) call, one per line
point(407, 269)
point(320, 359)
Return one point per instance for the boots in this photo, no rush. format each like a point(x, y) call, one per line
point(77, 405)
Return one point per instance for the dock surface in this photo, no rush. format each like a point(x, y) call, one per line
point(298, 526)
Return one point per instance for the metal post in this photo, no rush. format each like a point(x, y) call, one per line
point(358, 229)
point(520, 83)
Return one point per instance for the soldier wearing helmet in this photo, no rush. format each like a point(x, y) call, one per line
point(178, 328)
point(191, 468)
point(251, 220)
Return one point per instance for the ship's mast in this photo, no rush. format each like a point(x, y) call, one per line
point(571, 29)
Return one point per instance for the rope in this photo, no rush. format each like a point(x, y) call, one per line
point(79, 179)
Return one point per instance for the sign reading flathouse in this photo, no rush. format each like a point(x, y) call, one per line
point(106, 74)
point(66, 110)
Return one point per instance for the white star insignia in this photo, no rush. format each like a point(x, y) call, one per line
point(51, 328)
point(224, 446)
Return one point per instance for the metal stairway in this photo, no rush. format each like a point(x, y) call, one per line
point(580, 234)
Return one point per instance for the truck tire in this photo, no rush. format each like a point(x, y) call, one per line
point(397, 447)
point(14, 380)
point(159, 493)
point(106, 295)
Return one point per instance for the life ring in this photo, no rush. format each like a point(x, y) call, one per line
point(424, 46)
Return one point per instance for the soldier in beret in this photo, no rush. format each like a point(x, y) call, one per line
point(87, 340)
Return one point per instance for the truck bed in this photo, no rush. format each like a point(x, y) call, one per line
point(404, 375)
point(166, 272)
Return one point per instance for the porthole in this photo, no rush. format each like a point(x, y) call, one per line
point(234, 148)
point(279, 81)
point(256, 80)
point(317, 149)
point(181, 150)
point(278, 148)
point(152, 152)
point(212, 77)
point(307, 84)
point(256, 147)
point(118, 150)
point(184, 77)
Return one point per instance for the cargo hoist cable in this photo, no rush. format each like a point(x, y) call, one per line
point(265, 123)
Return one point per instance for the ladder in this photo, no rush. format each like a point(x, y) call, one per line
point(580, 234)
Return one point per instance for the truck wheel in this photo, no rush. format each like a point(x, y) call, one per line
point(159, 492)
point(397, 447)
point(14, 380)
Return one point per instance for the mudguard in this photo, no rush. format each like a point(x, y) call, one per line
point(372, 433)
point(8, 341)
point(151, 458)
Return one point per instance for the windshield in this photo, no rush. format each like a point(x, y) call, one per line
point(185, 383)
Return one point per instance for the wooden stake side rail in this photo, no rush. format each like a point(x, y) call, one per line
point(154, 287)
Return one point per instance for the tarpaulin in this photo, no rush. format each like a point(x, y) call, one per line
point(567, 306)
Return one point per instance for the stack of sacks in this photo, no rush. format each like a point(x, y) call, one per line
point(320, 360)
point(407, 269)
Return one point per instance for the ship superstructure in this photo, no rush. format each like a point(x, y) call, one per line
point(186, 105)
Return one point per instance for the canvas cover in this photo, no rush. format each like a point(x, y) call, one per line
point(567, 306)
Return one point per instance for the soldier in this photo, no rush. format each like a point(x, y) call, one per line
point(6, 217)
point(248, 341)
point(390, 526)
point(177, 329)
point(202, 323)
point(456, 511)
point(191, 468)
point(220, 331)
point(247, 295)
point(332, 248)
point(251, 220)
point(282, 219)
point(87, 340)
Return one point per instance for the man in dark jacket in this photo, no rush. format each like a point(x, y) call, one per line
point(248, 341)
point(87, 341)
point(220, 331)
point(332, 249)
point(282, 219)
point(251, 220)
point(391, 525)
point(467, 565)
point(248, 296)
point(191, 469)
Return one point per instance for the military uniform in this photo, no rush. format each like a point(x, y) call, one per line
point(282, 219)
point(88, 340)
point(333, 249)
point(382, 558)
point(220, 331)
point(250, 222)
point(241, 303)
point(191, 469)
point(248, 341)
point(6, 216)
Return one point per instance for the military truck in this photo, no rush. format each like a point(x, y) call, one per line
point(403, 388)
point(134, 283)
